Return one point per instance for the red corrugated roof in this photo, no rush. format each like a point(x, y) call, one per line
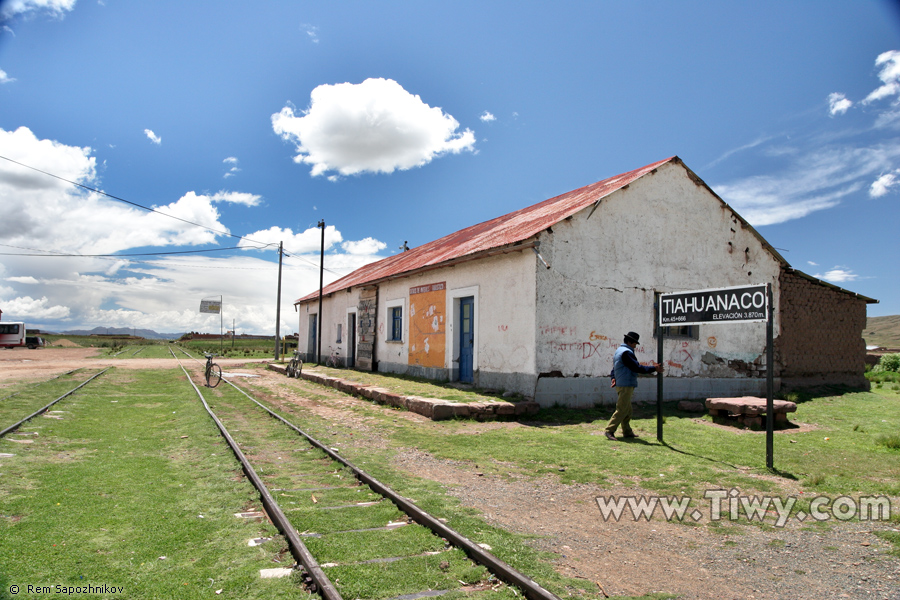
point(514, 227)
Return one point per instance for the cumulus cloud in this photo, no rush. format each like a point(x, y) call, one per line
point(153, 137)
point(4, 78)
point(236, 198)
point(487, 117)
point(372, 127)
point(45, 212)
point(27, 307)
point(304, 242)
point(160, 293)
point(883, 184)
point(838, 275)
point(57, 8)
point(364, 246)
point(838, 104)
point(889, 74)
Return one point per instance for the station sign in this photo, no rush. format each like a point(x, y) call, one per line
point(213, 307)
point(744, 304)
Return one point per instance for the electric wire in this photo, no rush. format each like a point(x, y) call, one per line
point(141, 206)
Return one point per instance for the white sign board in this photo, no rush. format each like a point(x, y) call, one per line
point(743, 304)
point(211, 306)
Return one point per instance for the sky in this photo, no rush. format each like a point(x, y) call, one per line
point(154, 154)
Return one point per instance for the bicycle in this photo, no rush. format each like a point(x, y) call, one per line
point(295, 366)
point(335, 359)
point(213, 372)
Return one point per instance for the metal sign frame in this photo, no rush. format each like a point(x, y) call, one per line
point(739, 304)
point(707, 298)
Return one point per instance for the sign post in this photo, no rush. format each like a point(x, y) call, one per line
point(741, 304)
point(215, 308)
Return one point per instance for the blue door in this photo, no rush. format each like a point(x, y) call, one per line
point(466, 338)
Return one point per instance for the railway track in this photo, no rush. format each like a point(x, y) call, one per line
point(40, 411)
point(368, 538)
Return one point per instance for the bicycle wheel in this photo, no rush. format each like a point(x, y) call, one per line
point(213, 375)
point(298, 368)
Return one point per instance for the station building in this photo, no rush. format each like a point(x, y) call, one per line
point(537, 301)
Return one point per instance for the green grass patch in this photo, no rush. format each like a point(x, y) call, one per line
point(133, 488)
point(416, 386)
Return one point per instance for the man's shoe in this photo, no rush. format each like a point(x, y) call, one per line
point(610, 437)
point(630, 434)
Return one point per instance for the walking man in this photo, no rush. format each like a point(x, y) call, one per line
point(625, 371)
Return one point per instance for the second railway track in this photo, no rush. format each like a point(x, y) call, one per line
point(353, 536)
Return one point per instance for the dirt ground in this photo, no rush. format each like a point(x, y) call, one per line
point(844, 560)
point(22, 364)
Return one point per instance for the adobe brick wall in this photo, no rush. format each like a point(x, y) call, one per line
point(820, 342)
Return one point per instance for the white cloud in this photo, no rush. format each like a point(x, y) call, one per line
point(312, 33)
point(37, 211)
point(4, 78)
point(233, 169)
point(838, 104)
point(160, 293)
point(487, 117)
point(305, 242)
point(57, 8)
point(372, 127)
point(812, 264)
point(364, 246)
point(883, 184)
point(838, 275)
point(27, 308)
point(236, 198)
point(889, 74)
point(153, 137)
point(813, 180)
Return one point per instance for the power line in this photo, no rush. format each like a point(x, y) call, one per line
point(60, 255)
point(141, 206)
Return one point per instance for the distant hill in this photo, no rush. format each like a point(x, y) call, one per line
point(144, 333)
point(883, 331)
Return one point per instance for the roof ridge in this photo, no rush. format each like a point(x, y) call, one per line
point(503, 230)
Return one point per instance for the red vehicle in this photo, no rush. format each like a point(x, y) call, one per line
point(12, 334)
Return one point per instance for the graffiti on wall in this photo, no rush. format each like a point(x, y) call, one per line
point(427, 325)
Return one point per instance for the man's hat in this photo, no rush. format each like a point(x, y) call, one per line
point(632, 337)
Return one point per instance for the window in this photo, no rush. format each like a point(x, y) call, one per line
point(689, 332)
point(396, 320)
point(340, 327)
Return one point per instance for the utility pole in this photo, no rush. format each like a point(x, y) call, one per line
point(278, 305)
point(321, 280)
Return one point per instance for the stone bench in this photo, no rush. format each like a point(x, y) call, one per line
point(748, 411)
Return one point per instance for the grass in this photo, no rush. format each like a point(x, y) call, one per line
point(415, 386)
point(132, 488)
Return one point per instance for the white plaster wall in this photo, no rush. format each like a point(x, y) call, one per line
point(504, 290)
point(334, 310)
point(663, 233)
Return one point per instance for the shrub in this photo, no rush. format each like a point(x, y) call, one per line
point(888, 363)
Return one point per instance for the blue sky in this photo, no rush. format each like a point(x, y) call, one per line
point(406, 121)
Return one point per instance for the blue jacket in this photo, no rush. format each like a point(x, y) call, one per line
point(626, 367)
